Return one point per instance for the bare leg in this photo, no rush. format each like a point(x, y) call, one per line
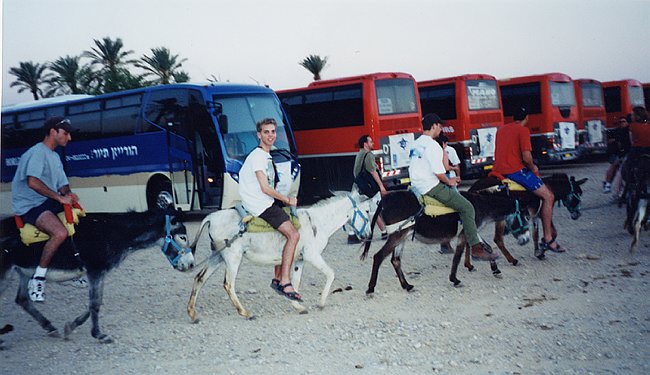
point(291, 234)
point(50, 224)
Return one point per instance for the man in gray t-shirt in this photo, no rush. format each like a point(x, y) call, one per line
point(39, 190)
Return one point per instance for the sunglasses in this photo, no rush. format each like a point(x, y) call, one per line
point(64, 121)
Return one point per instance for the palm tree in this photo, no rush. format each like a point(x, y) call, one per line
point(315, 64)
point(163, 65)
point(109, 54)
point(71, 78)
point(29, 76)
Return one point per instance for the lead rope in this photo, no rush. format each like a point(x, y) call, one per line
point(169, 240)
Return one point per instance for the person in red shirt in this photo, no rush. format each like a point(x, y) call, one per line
point(513, 159)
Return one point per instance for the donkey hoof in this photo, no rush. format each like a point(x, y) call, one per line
point(470, 268)
point(67, 331)
point(514, 262)
point(370, 291)
point(105, 339)
point(497, 274)
point(54, 333)
point(408, 287)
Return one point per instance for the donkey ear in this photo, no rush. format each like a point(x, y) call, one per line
point(580, 182)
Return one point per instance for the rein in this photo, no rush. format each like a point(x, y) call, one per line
point(171, 243)
point(516, 216)
point(570, 197)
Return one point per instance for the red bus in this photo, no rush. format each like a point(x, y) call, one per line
point(552, 113)
point(330, 116)
point(646, 95)
point(620, 97)
point(471, 106)
point(592, 134)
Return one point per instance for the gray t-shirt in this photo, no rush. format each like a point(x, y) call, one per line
point(42, 163)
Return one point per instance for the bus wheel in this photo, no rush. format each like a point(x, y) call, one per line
point(159, 195)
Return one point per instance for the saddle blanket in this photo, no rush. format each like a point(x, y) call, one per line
point(512, 185)
point(30, 234)
point(433, 207)
point(257, 225)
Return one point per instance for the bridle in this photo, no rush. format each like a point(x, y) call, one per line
point(357, 215)
point(570, 198)
point(516, 217)
point(170, 244)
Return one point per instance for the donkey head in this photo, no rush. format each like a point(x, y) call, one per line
point(574, 197)
point(175, 246)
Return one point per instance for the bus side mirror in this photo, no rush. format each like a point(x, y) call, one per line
point(223, 123)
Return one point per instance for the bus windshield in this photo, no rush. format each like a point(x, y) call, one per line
point(243, 112)
point(396, 96)
point(636, 96)
point(482, 94)
point(592, 95)
point(562, 94)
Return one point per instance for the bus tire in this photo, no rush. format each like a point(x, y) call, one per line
point(159, 194)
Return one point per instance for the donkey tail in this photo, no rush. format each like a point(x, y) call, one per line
point(205, 222)
point(366, 245)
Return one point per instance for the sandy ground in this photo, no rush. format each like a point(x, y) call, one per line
point(583, 312)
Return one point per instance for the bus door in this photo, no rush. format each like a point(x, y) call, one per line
point(169, 110)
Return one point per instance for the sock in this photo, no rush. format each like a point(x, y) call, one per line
point(40, 272)
point(351, 233)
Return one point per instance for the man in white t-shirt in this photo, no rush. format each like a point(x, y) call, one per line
point(259, 197)
point(427, 173)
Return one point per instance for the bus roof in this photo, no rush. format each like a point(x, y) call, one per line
point(223, 88)
point(622, 82)
point(587, 80)
point(464, 77)
point(558, 77)
point(346, 80)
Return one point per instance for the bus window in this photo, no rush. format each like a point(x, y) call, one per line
point(325, 108)
point(395, 96)
point(527, 95)
point(87, 118)
point(562, 94)
point(636, 96)
point(243, 113)
point(167, 107)
point(612, 99)
point(119, 121)
point(482, 94)
point(592, 95)
point(440, 100)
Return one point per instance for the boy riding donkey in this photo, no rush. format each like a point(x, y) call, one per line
point(259, 197)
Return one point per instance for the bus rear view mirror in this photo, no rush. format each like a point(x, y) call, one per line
point(223, 123)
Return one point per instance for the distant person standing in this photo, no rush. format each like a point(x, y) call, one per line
point(618, 145)
point(365, 161)
point(39, 190)
point(452, 166)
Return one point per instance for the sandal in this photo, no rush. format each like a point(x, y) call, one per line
point(547, 246)
point(294, 296)
point(275, 285)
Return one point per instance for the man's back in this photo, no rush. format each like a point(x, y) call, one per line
point(511, 140)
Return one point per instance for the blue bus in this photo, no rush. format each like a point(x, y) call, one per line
point(139, 149)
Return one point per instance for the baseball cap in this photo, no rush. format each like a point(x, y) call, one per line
point(58, 122)
point(431, 118)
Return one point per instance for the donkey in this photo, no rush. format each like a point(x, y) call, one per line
point(100, 244)
point(637, 197)
point(317, 224)
point(566, 190)
point(404, 207)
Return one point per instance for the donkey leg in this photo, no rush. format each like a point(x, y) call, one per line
point(320, 264)
point(637, 222)
point(22, 299)
point(379, 257)
point(539, 253)
point(213, 263)
point(456, 260)
point(96, 292)
point(396, 260)
point(93, 295)
point(233, 261)
point(296, 279)
point(499, 230)
point(463, 245)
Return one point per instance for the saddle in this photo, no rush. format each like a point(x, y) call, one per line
point(30, 234)
point(433, 207)
point(250, 223)
point(512, 185)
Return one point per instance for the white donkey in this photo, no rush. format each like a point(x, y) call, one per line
point(317, 224)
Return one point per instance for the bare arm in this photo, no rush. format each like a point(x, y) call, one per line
point(268, 190)
point(454, 181)
point(528, 161)
point(375, 175)
point(64, 196)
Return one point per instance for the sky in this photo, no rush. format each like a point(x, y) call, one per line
point(262, 42)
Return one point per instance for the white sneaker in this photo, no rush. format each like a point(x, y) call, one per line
point(36, 289)
point(607, 187)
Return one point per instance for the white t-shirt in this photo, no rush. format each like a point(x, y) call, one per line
point(252, 197)
point(453, 159)
point(425, 163)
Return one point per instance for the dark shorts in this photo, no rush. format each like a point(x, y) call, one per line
point(527, 179)
point(275, 216)
point(49, 205)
